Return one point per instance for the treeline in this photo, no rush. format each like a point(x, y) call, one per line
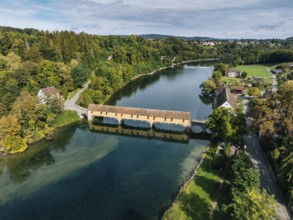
point(243, 199)
point(252, 52)
point(32, 59)
point(273, 118)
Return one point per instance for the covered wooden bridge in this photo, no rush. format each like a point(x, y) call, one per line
point(150, 115)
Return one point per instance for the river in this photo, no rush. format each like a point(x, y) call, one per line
point(86, 174)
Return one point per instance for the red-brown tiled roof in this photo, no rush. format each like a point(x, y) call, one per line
point(237, 88)
point(224, 96)
point(49, 91)
point(140, 111)
point(220, 88)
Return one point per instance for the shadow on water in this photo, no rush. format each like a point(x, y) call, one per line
point(142, 83)
point(131, 214)
point(206, 99)
point(21, 166)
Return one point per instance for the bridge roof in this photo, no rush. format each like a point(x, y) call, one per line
point(140, 111)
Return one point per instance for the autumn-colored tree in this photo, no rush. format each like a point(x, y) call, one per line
point(14, 144)
point(10, 131)
point(9, 126)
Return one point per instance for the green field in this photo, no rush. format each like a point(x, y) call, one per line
point(196, 197)
point(231, 80)
point(255, 70)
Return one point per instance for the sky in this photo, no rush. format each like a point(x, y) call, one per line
point(259, 19)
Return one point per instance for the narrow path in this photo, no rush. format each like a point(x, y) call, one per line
point(274, 77)
point(267, 177)
point(71, 104)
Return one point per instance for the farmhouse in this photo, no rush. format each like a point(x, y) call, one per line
point(224, 98)
point(48, 93)
point(233, 74)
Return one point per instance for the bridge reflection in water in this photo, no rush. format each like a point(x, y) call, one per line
point(151, 133)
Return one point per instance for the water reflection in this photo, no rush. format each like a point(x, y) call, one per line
point(142, 83)
point(21, 166)
point(146, 133)
point(87, 174)
point(206, 99)
point(47, 162)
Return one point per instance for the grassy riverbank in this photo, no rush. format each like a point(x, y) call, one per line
point(65, 118)
point(196, 199)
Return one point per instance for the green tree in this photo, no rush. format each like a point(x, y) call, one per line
point(254, 205)
point(222, 68)
point(208, 86)
point(220, 123)
point(79, 75)
point(244, 175)
point(217, 75)
point(254, 91)
point(244, 75)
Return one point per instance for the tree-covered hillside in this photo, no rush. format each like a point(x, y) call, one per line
point(32, 59)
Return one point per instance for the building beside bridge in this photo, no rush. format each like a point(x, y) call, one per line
point(224, 98)
point(150, 115)
point(46, 94)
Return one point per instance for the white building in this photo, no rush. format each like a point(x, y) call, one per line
point(234, 74)
point(48, 93)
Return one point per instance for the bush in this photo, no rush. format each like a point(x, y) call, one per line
point(65, 118)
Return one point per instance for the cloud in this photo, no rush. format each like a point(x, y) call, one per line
point(214, 18)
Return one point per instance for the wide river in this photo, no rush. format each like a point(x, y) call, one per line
point(85, 174)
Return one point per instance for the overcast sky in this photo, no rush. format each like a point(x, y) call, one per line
point(211, 18)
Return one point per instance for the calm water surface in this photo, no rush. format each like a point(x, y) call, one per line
point(85, 174)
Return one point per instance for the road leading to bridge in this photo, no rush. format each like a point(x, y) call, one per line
point(71, 104)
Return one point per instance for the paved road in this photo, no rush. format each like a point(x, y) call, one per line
point(71, 104)
point(267, 177)
point(275, 82)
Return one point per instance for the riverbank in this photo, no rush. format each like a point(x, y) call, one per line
point(171, 66)
point(197, 197)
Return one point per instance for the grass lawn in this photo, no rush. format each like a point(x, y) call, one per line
point(231, 80)
point(256, 71)
point(196, 197)
point(65, 118)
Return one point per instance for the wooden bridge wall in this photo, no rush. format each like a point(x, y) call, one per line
point(151, 119)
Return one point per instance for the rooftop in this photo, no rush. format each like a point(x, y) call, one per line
point(237, 88)
point(140, 111)
point(49, 91)
point(224, 96)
